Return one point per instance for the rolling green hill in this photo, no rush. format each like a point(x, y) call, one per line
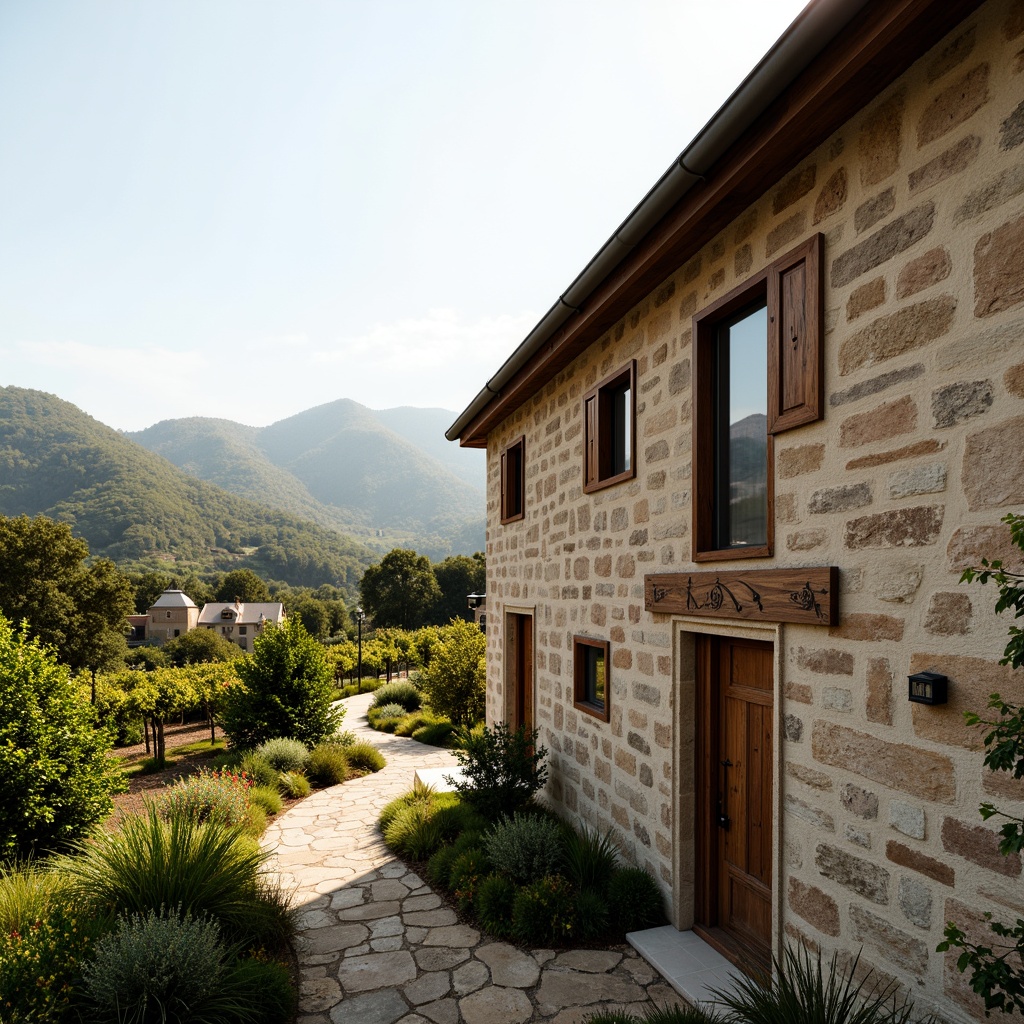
point(387, 476)
point(139, 509)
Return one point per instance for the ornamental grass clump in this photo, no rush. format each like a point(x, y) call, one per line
point(294, 785)
point(589, 858)
point(221, 796)
point(364, 757)
point(634, 900)
point(328, 765)
point(258, 768)
point(200, 867)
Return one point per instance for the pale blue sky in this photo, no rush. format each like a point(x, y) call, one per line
point(245, 208)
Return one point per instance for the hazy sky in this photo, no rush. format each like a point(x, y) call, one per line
point(245, 208)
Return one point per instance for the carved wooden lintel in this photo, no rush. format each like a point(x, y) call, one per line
point(766, 595)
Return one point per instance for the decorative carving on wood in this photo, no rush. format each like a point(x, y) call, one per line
point(767, 595)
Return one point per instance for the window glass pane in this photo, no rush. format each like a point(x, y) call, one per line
point(742, 464)
point(622, 442)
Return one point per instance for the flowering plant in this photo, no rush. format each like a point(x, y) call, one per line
point(221, 795)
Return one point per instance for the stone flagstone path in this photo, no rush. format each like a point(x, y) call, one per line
point(376, 945)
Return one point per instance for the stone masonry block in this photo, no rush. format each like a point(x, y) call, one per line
point(859, 801)
point(979, 845)
point(949, 614)
point(895, 333)
point(961, 401)
point(906, 857)
point(993, 468)
point(897, 236)
point(907, 818)
point(814, 905)
point(954, 105)
point(894, 945)
point(930, 268)
point(914, 770)
point(904, 527)
point(927, 479)
point(864, 878)
point(998, 282)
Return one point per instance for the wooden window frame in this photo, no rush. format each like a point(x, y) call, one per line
point(792, 289)
point(513, 481)
point(597, 430)
point(581, 701)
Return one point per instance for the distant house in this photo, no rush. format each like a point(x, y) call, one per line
point(172, 614)
point(241, 622)
point(138, 624)
point(734, 475)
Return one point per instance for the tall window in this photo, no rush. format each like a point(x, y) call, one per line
point(758, 358)
point(609, 419)
point(740, 400)
point(513, 487)
point(590, 676)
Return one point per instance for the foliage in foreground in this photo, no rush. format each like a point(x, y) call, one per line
point(57, 778)
point(455, 678)
point(997, 967)
point(286, 690)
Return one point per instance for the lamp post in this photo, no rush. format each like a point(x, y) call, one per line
point(359, 623)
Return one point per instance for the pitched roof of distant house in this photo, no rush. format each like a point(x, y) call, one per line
point(173, 598)
point(244, 612)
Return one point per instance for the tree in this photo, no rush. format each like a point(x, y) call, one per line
point(286, 689)
point(57, 778)
point(400, 590)
point(80, 611)
point(456, 677)
point(997, 970)
point(457, 577)
point(314, 615)
point(200, 647)
point(242, 585)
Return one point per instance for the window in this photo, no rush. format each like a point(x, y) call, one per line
point(757, 372)
point(177, 632)
point(590, 660)
point(242, 630)
point(513, 488)
point(609, 423)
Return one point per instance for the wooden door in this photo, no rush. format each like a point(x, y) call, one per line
point(735, 785)
point(519, 674)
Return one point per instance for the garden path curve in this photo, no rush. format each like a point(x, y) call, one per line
point(376, 945)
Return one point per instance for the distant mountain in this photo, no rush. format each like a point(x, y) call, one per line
point(136, 507)
point(388, 476)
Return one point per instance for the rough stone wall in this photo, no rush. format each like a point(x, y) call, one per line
point(902, 484)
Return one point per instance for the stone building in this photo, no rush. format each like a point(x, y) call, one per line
point(241, 622)
point(709, 601)
point(172, 614)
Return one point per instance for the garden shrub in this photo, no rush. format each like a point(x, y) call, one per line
point(467, 871)
point(284, 754)
point(400, 692)
point(259, 769)
point(438, 734)
point(220, 796)
point(345, 738)
point(294, 785)
point(503, 768)
point(392, 807)
point(494, 897)
point(439, 866)
point(365, 757)
point(412, 721)
point(591, 914)
point(544, 912)
point(634, 900)
point(453, 818)
point(149, 863)
point(590, 858)
point(386, 717)
point(525, 847)
point(28, 891)
point(57, 778)
point(270, 981)
point(156, 966)
point(285, 689)
point(411, 832)
point(455, 678)
point(41, 964)
point(266, 797)
point(328, 765)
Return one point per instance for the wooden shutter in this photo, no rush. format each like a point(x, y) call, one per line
point(796, 331)
point(590, 411)
point(504, 485)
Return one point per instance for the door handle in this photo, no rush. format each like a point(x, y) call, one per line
point(723, 818)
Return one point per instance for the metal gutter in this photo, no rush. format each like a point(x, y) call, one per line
point(814, 28)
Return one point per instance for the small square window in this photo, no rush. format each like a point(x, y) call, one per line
point(513, 488)
point(243, 630)
point(591, 662)
point(609, 422)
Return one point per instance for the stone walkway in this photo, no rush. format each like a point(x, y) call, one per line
point(376, 945)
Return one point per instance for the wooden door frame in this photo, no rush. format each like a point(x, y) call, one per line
point(688, 889)
point(510, 657)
